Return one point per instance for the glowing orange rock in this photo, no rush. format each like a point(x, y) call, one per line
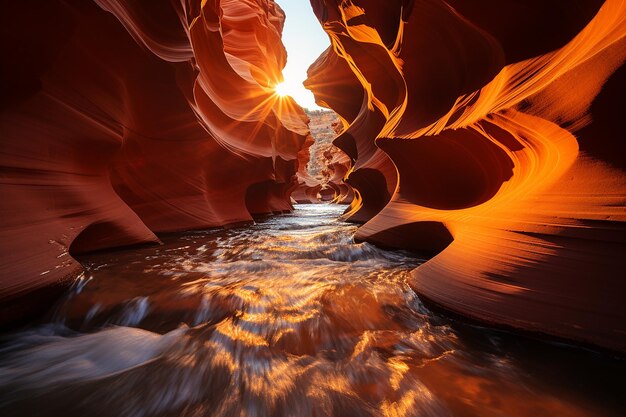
point(502, 126)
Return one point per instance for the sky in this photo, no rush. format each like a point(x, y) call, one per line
point(305, 40)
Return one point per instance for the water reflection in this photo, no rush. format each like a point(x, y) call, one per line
point(288, 317)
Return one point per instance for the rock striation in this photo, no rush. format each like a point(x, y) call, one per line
point(121, 120)
point(490, 135)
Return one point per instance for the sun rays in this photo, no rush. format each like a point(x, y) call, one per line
point(282, 89)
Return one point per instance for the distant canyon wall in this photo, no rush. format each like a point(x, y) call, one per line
point(322, 176)
point(121, 120)
point(490, 134)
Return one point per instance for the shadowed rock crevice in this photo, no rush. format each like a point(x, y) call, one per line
point(425, 238)
point(373, 193)
point(453, 170)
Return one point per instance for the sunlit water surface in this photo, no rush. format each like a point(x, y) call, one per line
point(288, 317)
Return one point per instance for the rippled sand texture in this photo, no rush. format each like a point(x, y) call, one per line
point(288, 317)
point(491, 134)
point(122, 119)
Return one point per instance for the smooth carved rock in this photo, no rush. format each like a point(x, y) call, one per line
point(490, 134)
point(125, 119)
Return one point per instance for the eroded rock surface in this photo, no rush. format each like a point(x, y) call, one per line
point(326, 166)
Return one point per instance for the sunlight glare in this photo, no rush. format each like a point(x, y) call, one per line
point(282, 89)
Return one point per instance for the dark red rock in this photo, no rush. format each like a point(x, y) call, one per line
point(126, 119)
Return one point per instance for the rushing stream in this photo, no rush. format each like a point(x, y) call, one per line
point(288, 317)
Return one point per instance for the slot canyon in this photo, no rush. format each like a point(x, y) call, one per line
point(441, 231)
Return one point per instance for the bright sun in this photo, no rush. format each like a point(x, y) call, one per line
point(282, 89)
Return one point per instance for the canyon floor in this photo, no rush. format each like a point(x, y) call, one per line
point(286, 317)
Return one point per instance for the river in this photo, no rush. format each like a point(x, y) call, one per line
point(286, 317)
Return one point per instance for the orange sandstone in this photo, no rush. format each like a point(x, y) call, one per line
point(491, 135)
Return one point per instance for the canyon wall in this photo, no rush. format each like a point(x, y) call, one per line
point(490, 134)
point(321, 177)
point(121, 120)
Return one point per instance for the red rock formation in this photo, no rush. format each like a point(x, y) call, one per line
point(373, 176)
point(124, 119)
point(337, 165)
point(500, 122)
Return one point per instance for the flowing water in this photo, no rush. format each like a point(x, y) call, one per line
point(288, 317)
